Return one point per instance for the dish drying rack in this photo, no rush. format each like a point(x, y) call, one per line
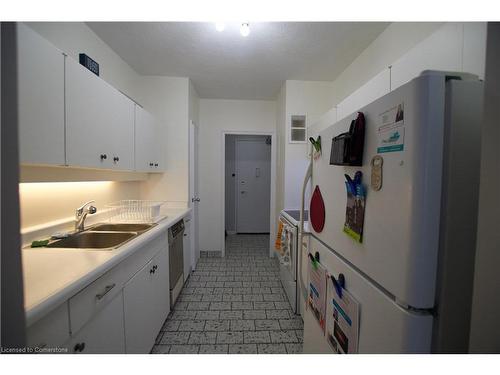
point(134, 211)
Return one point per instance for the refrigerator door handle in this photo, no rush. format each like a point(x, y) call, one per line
point(302, 285)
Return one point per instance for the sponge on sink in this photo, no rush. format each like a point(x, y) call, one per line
point(40, 243)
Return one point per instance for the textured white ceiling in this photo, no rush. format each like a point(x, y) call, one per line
point(226, 65)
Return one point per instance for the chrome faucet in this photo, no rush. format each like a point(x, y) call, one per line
point(81, 213)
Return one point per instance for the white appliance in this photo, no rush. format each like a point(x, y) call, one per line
point(412, 273)
point(288, 261)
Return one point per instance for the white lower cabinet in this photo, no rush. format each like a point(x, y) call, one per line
point(161, 289)
point(146, 304)
point(120, 312)
point(138, 307)
point(104, 333)
point(50, 331)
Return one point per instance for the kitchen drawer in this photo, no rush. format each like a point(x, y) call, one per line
point(95, 296)
point(86, 303)
point(50, 331)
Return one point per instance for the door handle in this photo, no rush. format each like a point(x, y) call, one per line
point(195, 199)
point(243, 192)
point(106, 291)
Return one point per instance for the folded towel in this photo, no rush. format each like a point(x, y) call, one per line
point(278, 243)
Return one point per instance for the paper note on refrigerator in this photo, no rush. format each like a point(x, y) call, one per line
point(391, 130)
point(316, 299)
point(342, 321)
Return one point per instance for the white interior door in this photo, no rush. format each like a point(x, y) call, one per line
point(253, 192)
point(193, 191)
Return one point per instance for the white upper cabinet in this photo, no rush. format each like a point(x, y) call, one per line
point(147, 150)
point(69, 116)
point(40, 99)
point(99, 122)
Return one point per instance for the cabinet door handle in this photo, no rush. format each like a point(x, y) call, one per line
point(116, 159)
point(152, 270)
point(151, 164)
point(104, 157)
point(156, 164)
point(106, 291)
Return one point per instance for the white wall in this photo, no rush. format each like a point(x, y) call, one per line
point(281, 135)
point(76, 37)
point(397, 39)
point(194, 116)
point(312, 99)
point(401, 53)
point(42, 202)
point(408, 49)
point(215, 117)
point(194, 104)
point(167, 99)
point(454, 47)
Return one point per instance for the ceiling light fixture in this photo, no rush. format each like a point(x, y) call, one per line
point(245, 29)
point(220, 26)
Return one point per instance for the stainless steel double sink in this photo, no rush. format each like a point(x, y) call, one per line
point(102, 236)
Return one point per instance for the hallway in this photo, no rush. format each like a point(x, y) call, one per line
point(233, 305)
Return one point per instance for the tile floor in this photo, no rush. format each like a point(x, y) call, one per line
point(234, 304)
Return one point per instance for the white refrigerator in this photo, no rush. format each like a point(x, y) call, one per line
point(412, 270)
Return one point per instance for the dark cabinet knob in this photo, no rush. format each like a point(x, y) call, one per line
point(156, 164)
point(104, 157)
point(150, 164)
point(116, 159)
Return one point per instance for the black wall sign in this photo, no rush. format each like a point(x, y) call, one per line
point(90, 64)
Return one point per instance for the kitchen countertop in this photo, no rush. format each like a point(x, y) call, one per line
point(52, 276)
